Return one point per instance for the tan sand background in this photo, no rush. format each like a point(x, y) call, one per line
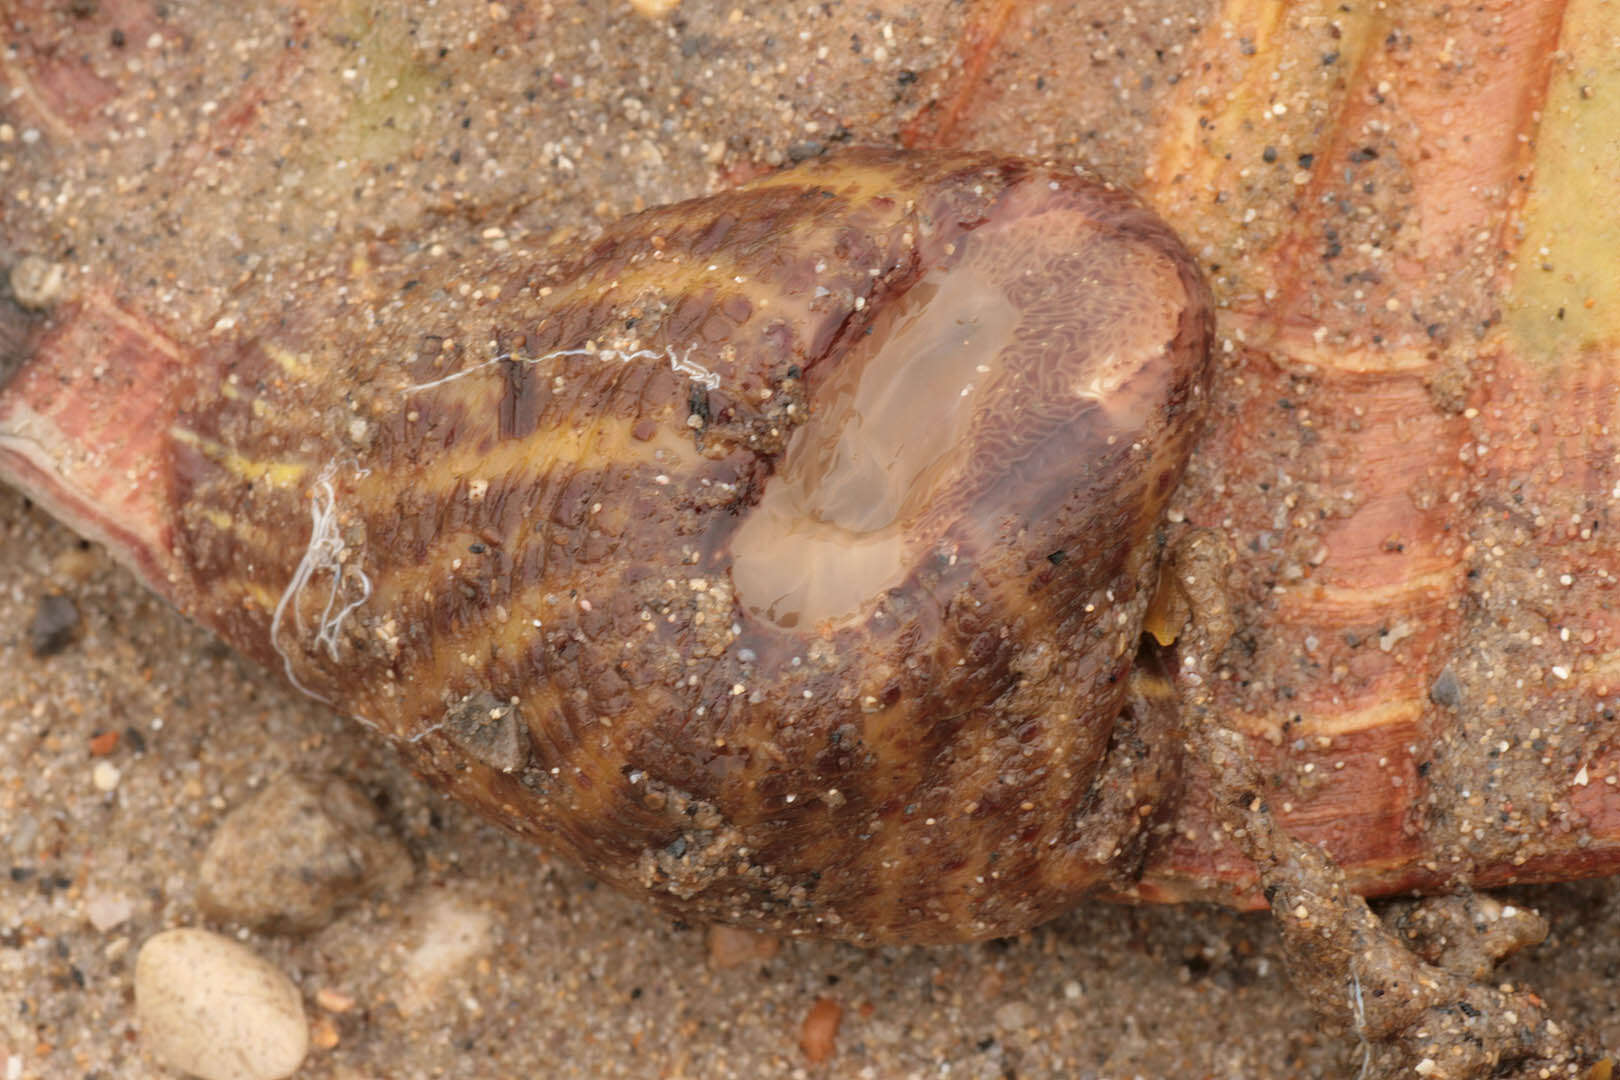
point(594, 111)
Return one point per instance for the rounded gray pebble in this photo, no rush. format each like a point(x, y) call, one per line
point(289, 859)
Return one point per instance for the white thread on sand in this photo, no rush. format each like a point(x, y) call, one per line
point(327, 552)
point(680, 363)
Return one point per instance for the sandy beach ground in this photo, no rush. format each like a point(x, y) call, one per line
point(121, 752)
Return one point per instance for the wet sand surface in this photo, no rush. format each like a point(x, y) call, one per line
point(587, 114)
point(563, 978)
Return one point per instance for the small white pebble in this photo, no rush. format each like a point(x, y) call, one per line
point(453, 933)
point(37, 283)
point(217, 1010)
point(1014, 1016)
point(107, 910)
point(105, 776)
